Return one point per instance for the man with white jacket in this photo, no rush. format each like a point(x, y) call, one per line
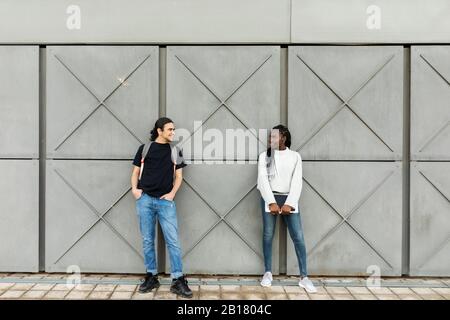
point(280, 184)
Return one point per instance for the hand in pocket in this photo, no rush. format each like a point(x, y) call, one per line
point(137, 193)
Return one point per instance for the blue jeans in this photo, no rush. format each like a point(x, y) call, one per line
point(148, 209)
point(294, 224)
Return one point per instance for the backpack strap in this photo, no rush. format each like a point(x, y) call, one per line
point(144, 154)
point(176, 154)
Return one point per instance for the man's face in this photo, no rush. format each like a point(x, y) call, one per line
point(168, 132)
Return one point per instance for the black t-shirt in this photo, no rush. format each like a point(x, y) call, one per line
point(157, 178)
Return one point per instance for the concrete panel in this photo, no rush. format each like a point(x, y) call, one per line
point(19, 216)
point(346, 102)
point(101, 100)
point(375, 21)
point(19, 101)
point(352, 218)
point(144, 21)
point(220, 224)
point(430, 95)
point(223, 88)
point(430, 219)
point(91, 220)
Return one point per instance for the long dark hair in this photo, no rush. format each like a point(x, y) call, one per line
point(284, 131)
point(159, 124)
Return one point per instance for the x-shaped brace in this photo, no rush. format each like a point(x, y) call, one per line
point(345, 103)
point(101, 102)
point(221, 218)
point(442, 246)
point(439, 131)
point(345, 218)
point(222, 102)
point(100, 217)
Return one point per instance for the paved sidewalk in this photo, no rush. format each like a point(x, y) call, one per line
point(124, 287)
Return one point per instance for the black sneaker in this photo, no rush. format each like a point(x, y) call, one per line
point(180, 287)
point(149, 283)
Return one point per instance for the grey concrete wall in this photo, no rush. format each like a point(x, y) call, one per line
point(345, 109)
point(19, 151)
point(218, 21)
point(430, 141)
point(100, 102)
point(219, 203)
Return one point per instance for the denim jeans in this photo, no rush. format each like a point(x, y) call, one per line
point(294, 224)
point(148, 209)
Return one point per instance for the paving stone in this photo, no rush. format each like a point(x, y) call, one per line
point(298, 296)
point(23, 286)
point(433, 282)
point(342, 297)
point(423, 291)
point(143, 296)
point(230, 288)
point(34, 294)
point(387, 297)
point(432, 297)
point(105, 287)
point(380, 290)
point(321, 290)
point(195, 296)
point(331, 281)
point(209, 288)
point(84, 287)
point(43, 286)
point(253, 296)
point(164, 288)
point(272, 289)
point(77, 295)
point(409, 297)
point(320, 297)
point(294, 289)
point(12, 294)
point(6, 285)
point(131, 277)
point(276, 296)
point(358, 290)
point(259, 289)
point(337, 290)
point(56, 294)
point(62, 287)
point(364, 297)
point(209, 295)
point(165, 295)
point(126, 287)
point(99, 295)
point(399, 291)
point(231, 296)
point(442, 291)
point(348, 281)
point(195, 288)
point(121, 295)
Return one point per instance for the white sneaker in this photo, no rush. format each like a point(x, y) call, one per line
point(267, 279)
point(307, 285)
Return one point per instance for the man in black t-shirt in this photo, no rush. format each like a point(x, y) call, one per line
point(154, 193)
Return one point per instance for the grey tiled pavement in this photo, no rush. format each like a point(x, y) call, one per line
point(43, 286)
